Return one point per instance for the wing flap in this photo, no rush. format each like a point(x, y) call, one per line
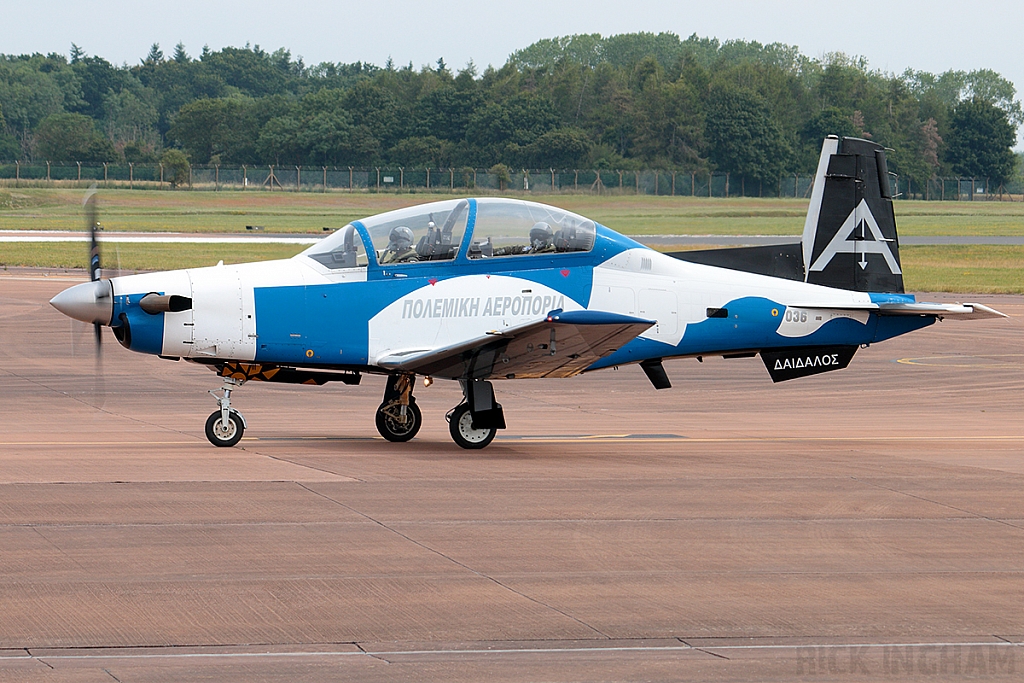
point(561, 345)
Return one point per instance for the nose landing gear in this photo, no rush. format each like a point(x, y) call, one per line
point(398, 417)
point(225, 425)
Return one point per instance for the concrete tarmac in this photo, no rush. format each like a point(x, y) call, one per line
point(857, 525)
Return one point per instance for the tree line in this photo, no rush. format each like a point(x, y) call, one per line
point(623, 102)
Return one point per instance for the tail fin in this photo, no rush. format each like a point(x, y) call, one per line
point(849, 236)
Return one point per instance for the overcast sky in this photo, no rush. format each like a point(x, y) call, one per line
point(931, 36)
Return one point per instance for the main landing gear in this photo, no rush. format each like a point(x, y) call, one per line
point(225, 425)
point(472, 424)
point(475, 423)
point(398, 417)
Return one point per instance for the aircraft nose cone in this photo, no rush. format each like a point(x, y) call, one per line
point(89, 302)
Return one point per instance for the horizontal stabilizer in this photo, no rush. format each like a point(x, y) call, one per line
point(561, 345)
point(966, 311)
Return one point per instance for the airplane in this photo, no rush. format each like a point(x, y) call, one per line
point(479, 290)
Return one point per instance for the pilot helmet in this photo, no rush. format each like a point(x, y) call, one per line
point(401, 237)
point(540, 235)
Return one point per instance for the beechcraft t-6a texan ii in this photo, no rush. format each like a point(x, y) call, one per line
point(477, 290)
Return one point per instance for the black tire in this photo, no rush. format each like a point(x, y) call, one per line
point(460, 426)
point(224, 437)
point(391, 428)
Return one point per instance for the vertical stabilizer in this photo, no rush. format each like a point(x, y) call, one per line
point(849, 237)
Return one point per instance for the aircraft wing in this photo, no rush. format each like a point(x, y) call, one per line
point(561, 345)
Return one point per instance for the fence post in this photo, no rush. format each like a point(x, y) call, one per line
point(349, 178)
point(17, 173)
point(47, 171)
point(162, 176)
point(131, 176)
point(189, 176)
point(711, 177)
point(655, 182)
point(325, 179)
point(576, 180)
point(620, 181)
point(673, 183)
point(105, 173)
point(401, 178)
point(428, 179)
point(298, 178)
point(79, 170)
point(636, 179)
point(552, 179)
point(378, 178)
point(216, 177)
point(693, 183)
point(726, 184)
point(451, 173)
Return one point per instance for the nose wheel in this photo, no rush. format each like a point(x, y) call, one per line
point(221, 433)
point(225, 425)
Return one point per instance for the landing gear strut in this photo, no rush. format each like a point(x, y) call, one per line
point(475, 423)
point(225, 425)
point(398, 417)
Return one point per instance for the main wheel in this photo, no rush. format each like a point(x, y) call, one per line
point(460, 425)
point(391, 424)
point(221, 434)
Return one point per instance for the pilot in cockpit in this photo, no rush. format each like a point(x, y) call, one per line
point(542, 240)
point(399, 249)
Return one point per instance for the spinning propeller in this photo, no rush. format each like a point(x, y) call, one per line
point(95, 270)
point(93, 301)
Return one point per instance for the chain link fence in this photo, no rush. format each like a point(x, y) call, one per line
point(463, 180)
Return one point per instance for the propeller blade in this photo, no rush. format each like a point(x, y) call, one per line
point(93, 223)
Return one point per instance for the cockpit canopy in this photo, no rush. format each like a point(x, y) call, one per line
point(436, 231)
point(511, 227)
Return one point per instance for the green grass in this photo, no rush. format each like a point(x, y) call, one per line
point(133, 257)
point(976, 269)
point(308, 212)
point(927, 268)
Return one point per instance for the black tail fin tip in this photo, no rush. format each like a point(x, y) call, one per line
point(849, 237)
